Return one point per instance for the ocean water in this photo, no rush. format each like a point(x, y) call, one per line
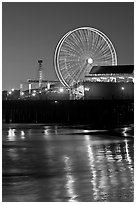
point(43, 163)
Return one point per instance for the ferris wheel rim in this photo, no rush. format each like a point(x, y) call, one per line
point(55, 57)
point(98, 32)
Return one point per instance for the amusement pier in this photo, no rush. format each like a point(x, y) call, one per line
point(91, 86)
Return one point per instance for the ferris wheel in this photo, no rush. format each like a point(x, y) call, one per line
point(78, 51)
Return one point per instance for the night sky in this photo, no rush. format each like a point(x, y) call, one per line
point(31, 31)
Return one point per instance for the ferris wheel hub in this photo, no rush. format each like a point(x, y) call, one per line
point(90, 61)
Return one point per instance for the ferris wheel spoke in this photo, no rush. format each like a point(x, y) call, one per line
point(104, 59)
point(68, 77)
point(81, 70)
point(102, 54)
point(74, 75)
point(82, 39)
point(69, 50)
point(101, 44)
point(88, 44)
point(77, 42)
point(105, 48)
point(95, 41)
point(72, 44)
point(85, 40)
point(71, 70)
point(75, 71)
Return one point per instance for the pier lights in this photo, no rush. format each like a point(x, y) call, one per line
point(122, 88)
point(61, 90)
point(22, 93)
point(11, 92)
point(33, 94)
point(87, 89)
point(34, 91)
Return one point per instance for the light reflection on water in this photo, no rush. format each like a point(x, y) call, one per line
point(56, 163)
point(70, 180)
point(93, 178)
point(11, 135)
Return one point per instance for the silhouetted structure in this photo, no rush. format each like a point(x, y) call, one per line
point(95, 112)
